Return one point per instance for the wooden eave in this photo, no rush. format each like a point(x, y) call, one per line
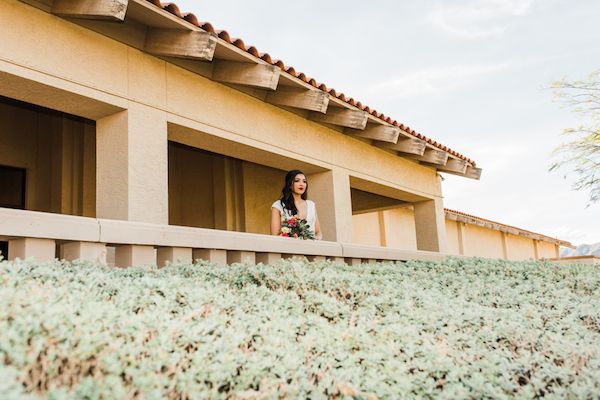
point(142, 16)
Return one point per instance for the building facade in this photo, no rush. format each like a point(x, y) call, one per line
point(127, 124)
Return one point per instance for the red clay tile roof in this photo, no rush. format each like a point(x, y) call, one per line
point(191, 18)
point(562, 242)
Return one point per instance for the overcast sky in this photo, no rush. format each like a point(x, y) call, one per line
point(469, 74)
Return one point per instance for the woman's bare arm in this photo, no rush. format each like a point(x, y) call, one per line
point(318, 233)
point(275, 221)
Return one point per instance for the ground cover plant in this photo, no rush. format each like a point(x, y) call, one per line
point(457, 329)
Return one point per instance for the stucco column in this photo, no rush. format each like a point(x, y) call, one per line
point(430, 225)
point(132, 165)
point(461, 227)
point(330, 191)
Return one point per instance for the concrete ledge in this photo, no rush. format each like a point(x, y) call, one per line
point(17, 224)
point(34, 224)
point(588, 260)
point(384, 253)
point(125, 232)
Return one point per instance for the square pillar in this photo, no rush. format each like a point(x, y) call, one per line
point(242, 257)
point(42, 250)
point(170, 255)
point(132, 165)
point(213, 256)
point(84, 251)
point(430, 225)
point(353, 261)
point(316, 258)
point(504, 239)
point(134, 255)
point(330, 190)
point(461, 228)
point(337, 260)
point(267, 258)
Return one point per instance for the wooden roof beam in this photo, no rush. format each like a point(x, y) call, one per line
point(313, 100)
point(382, 133)
point(262, 76)
point(469, 171)
point(405, 145)
point(355, 119)
point(194, 45)
point(108, 10)
point(473, 172)
point(431, 156)
point(454, 165)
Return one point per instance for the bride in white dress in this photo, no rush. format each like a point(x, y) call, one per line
point(294, 201)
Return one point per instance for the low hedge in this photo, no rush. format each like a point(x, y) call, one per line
point(457, 329)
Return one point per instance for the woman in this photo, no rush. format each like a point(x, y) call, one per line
point(293, 202)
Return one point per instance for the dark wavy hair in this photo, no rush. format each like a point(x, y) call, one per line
point(287, 199)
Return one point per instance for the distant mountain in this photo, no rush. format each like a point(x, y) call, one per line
point(581, 250)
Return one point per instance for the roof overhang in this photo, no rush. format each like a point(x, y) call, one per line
point(180, 39)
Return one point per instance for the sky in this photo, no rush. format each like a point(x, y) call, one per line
point(473, 75)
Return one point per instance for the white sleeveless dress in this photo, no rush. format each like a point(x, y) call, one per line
point(310, 213)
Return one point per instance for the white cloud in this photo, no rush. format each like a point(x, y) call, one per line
point(435, 79)
point(478, 18)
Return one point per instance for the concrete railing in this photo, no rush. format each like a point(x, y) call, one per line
point(45, 236)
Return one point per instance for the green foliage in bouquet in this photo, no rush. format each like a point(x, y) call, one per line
point(295, 330)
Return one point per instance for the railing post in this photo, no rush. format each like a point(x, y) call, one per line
point(134, 255)
point(169, 255)
point(84, 251)
point(242, 257)
point(267, 258)
point(42, 250)
point(213, 256)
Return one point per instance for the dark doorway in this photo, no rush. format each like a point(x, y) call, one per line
point(12, 187)
point(12, 194)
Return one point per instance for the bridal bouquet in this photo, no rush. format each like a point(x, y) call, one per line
point(296, 228)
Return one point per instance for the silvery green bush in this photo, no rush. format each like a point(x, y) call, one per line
point(457, 329)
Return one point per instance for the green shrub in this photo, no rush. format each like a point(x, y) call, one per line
point(458, 329)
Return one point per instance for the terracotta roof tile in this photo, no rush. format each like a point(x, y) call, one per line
point(224, 35)
point(254, 51)
point(239, 43)
point(207, 26)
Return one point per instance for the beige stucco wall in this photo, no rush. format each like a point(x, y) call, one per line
point(58, 155)
point(262, 186)
point(482, 242)
point(366, 229)
point(519, 248)
point(400, 228)
point(202, 188)
point(191, 189)
point(548, 250)
point(398, 225)
point(393, 228)
point(452, 237)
